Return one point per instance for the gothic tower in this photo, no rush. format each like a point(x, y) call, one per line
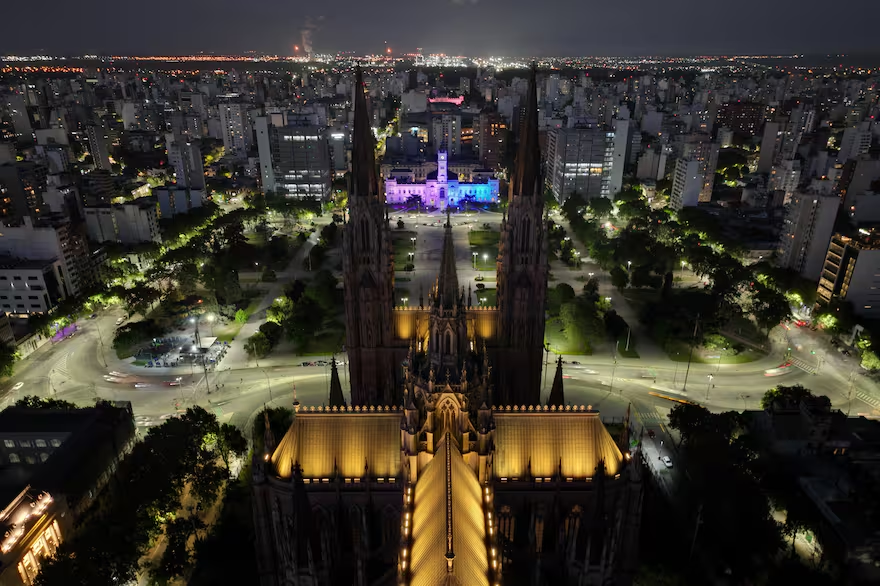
point(368, 273)
point(448, 343)
point(522, 270)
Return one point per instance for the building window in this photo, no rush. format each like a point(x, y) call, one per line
point(43, 456)
point(24, 443)
point(40, 443)
point(9, 443)
point(13, 458)
point(55, 443)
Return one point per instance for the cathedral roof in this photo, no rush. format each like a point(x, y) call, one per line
point(543, 440)
point(364, 181)
point(350, 440)
point(527, 174)
point(449, 175)
point(448, 517)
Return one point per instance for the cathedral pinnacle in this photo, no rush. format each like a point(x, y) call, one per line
point(364, 182)
point(557, 398)
point(337, 399)
point(526, 181)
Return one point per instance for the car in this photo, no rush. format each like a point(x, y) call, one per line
point(172, 383)
point(120, 321)
point(845, 352)
point(575, 362)
point(651, 434)
point(141, 385)
point(667, 461)
point(93, 316)
point(17, 386)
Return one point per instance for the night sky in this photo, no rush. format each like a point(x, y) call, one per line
point(463, 27)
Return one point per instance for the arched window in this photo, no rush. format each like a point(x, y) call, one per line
point(365, 235)
point(449, 342)
point(13, 458)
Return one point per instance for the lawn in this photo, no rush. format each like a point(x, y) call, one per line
point(402, 246)
point(490, 295)
point(555, 336)
point(680, 351)
point(324, 343)
point(227, 332)
point(485, 244)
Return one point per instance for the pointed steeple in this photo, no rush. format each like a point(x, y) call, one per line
point(526, 179)
point(337, 399)
point(557, 397)
point(268, 436)
point(303, 544)
point(447, 280)
point(364, 182)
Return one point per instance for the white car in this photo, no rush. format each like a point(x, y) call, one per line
point(119, 321)
point(667, 461)
point(17, 386)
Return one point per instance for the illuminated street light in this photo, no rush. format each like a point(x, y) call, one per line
point(405, 301)
point(475, 260)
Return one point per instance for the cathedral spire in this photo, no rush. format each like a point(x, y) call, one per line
point(526, 180)
point(447, 280)
point(557, 397)
point(268, 436)
point(337, 399)
point(364, 182)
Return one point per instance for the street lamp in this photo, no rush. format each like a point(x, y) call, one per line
point(628, 264)
point(475, 260)
point(413, 240)
point(405, 301)
point(485, 259)
point(210, 317)
point(482, 301)
point(591, 275)
point(709, 384)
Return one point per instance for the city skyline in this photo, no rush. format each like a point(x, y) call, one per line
point(515, 28)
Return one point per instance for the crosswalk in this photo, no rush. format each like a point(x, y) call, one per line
point(650, 417)
point(869, 399)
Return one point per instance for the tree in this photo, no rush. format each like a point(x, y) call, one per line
point(619, 278)
point(241, 316)
point(272, 331)
point(870, 360)
point(34, 402)
point(600, 207)
point(8, 356)
point(688, 419)
point(177, 555)
point(793, 394)
point(400, 225)
point(230, 442)
point(258, 345)
point(769, 307)
point(269, 276)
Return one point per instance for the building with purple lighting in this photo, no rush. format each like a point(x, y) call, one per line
point(441, 189)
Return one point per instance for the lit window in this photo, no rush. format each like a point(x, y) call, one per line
point(9, 443)
point(14, 459)
point(55, 443)
point(40, 443)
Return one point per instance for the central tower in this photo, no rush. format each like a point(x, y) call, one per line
point(522, 270)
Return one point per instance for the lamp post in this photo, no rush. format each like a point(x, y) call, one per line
point(683, 263)
point(475, 260)
point(412, 258)
point(269, 383)
point(413, 240)
point(485, 259)
point(405, 301)
point(709, 384)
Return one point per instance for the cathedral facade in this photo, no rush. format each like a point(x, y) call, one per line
point(446, 468)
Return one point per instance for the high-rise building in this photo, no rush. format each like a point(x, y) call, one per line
point(580, 160)
point(771, 145)
point(22, 185)
point(851, 272)
point(51, 238)
point(785, 176)
point(809, 222)
point(98, 146)
point(235, 129)
point(446, 134)
point(855, 141)
point(185, 156)
point(742, 117)
point(294, 157)
point(699, 147)
point(687, 184)
point(492, 135)
point(129, 223)
point(445, 489)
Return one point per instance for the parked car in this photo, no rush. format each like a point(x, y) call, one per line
point(667, 461)
point(119, 321)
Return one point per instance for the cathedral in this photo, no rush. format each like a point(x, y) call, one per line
point(446, 469)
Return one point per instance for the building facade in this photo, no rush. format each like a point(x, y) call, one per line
point(809, 223)
point(852, 273)
point(687, 184)
point(234, 128)
point(580, 160)
point(294, 156)
point(441, 188)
